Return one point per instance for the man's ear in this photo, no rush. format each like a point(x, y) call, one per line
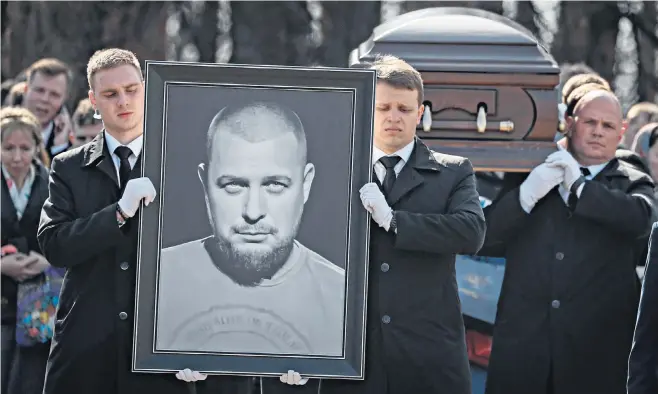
point(624, 127)
point(309, 175)
point(419, 115)
point(201, 171)
point(92, 99)
point(571, 124)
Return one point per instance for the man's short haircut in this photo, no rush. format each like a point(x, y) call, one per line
point(237, 121)
point(579, 80)
point(105, 59)
point(84, 114)
point(644, 108)
point(577, 94)
point(398, 74)
point(50, 67)
point(16, 94)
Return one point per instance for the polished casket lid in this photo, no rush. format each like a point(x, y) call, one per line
point(454, 39)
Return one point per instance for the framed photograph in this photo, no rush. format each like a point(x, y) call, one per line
point(253, 259)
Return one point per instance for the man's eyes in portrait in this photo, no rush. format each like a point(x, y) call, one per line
point(273, 185)
point(231, 185)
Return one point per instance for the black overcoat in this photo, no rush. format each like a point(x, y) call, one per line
point(415, 331)
point(91, 350)
point(570, 293)
point(643, 362)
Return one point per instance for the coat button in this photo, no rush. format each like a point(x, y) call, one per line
point(123, 315)
point(386, 319)
point(559, 255)
point(124, 266)
point(385, 267)
point(555, 304)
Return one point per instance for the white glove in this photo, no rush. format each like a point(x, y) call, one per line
point(569, 165)
point(374, 202)
point(188, 375)
point(293, 378)
point(136, 190)
point(541, 180)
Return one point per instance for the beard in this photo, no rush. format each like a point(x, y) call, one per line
point(249, 267)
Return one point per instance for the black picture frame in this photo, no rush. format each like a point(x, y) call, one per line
point(160, 76)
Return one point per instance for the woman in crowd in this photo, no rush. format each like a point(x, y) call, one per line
point(24, 190)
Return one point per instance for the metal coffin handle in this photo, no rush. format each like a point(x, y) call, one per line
point(481, 123)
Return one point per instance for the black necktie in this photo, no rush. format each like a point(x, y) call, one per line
point(573, 198)
point(124, 165)
point(389, 162)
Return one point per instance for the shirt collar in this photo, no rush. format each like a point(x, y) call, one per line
point(135, 145)
point(45, 132)
point(29, 179)
point(595, 169)
point(404, 153)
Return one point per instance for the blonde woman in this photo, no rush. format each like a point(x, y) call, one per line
point(24, 189)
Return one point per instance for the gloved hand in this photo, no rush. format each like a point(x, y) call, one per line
point(374, 202)
point(187, 374)
point(136, 190)
point(541, 180)
point(293, 378)
point(570, 166)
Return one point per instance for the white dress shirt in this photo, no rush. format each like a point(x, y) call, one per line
point(45, 135)
point(135, 146)
point(594, 170)
point(380, 170)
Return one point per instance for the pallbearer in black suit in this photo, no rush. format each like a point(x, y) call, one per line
point(568, 303)
point(643, 363)
point(425, 209)
point(89, 225)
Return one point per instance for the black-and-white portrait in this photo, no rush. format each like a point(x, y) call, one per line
point(252, 284)
point(253, 258)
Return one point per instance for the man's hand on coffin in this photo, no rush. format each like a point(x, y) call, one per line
point(374, 202)
point(541, 180)
point(570, 166)
point(187, 375)
point(293, 378)
point(137, 189)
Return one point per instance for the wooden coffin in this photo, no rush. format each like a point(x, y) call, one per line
point(490, 87)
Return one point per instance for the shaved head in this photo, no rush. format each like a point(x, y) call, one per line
point(256, 180)
point(257, 122)
point(600, 95)
point(596, 126)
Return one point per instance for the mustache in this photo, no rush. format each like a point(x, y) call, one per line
point(259, 228)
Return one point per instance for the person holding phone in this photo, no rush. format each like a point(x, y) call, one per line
point(48, 86)
point(24, 190)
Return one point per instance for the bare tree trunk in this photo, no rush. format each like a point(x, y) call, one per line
point(646, 51)
point(588, 33)
point(344, 26)
point(205, 34)
point(265, 32)
point(526, 15)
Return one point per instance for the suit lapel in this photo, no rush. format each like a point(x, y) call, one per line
point(411, 177)
point(97, 155)
point(407, 180)
point(7, 204)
